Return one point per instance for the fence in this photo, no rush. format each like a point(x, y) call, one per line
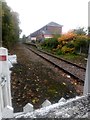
point(5, 88)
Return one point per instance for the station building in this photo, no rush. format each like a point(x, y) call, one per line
point(47, 31)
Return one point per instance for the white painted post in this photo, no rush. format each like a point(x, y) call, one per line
point(46, 103)
point(28, 108)
point(87, 77)
point(5, 88)
point(7, 112)
point(62, 100)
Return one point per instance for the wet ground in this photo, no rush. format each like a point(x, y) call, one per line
point(35, 80)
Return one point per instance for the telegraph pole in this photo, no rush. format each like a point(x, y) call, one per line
point(86, 90)
point(87, 77)
point(0, 23)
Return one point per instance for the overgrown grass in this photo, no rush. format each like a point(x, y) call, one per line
point(60, 54)
point(70, 56)
point(73, 57)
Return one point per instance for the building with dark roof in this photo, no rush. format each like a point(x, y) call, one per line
point(46, 31)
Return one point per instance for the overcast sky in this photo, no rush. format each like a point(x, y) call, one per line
point(34, 14)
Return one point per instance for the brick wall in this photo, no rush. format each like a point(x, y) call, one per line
point(54, 29)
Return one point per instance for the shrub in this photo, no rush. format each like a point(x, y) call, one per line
point(81, 43)
point(59, 52)
point(70, 45)
point(66, 49)
point(67, 37)
point(50, 43)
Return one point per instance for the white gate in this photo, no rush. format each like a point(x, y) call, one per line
point(5, 88)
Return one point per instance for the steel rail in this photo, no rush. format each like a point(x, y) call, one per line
point(57, 65)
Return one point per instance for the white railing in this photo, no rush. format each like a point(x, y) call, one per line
point(5, 87)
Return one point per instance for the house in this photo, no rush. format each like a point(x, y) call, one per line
point(46, 31)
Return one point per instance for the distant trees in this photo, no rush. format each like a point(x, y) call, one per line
point(82, 40)
point(80, 31)
point(23, 39)
point(10, 26)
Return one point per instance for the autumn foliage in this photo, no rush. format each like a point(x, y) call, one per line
point(70, 42)
point(67, 37)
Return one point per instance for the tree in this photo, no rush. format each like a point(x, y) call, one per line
point(23, 39)
point(80, 31)
point(10, 26)
point(67, 37)
point(81, 43)
point(74, 40)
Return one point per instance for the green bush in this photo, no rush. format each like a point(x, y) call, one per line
point(50, 43)
point(66, 49)
point(70, 45)
point(59, 52)
point(81, 45)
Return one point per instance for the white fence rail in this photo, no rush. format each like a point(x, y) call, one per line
point(5, 87)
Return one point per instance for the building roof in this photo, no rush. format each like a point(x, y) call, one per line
point(41, 31)
point(54, 24)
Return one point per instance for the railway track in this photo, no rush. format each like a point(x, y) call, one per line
point(70, 68)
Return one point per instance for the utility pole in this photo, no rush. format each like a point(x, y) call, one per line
point(87, 76)
point(86, 90)
point(0, 23)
